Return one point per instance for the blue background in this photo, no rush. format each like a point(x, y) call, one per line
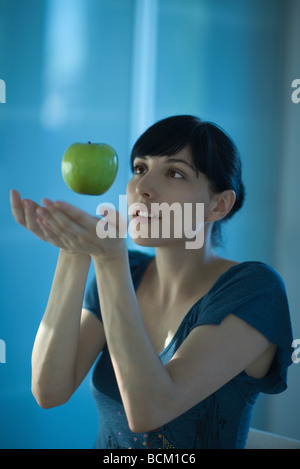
point(104, 70)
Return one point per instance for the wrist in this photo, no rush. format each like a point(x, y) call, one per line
point(111, 260)
point(77, 257)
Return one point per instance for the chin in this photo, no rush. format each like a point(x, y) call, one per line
point(142, 237)
point(148, 242)
point(158, 242)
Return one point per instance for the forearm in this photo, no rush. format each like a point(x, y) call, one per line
point(56, 344)
point(143, 381)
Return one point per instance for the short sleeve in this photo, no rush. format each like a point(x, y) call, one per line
point(138, 262)
point(256, 293)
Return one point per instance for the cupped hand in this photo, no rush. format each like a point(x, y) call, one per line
point(65, 226)
point(25, 213)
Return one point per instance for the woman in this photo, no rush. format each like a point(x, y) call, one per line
point(189, 339)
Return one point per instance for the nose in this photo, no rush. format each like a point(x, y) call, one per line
point(147, 187)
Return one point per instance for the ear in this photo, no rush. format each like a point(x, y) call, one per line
point(221, 205)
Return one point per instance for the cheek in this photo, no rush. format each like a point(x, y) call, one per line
point(199, 196)
point(202, 198)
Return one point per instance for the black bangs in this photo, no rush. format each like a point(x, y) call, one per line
point(167, 137)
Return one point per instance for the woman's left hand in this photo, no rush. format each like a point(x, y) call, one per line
point(77, 231)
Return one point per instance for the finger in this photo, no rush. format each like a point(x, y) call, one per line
point(48, 233)
point(60, 223)
point(64, 234)
point(74, 222)
point(73, 213)
point(30, 210)
point(17, 207)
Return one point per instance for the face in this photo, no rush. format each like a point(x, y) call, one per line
point(173, 182)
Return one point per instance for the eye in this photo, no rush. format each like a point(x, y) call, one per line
point(175, 174)
point(138, 169)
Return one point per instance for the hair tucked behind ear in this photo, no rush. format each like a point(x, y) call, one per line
point(222, 167)
point(213, 153)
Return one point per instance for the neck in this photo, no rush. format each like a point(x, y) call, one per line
point(179, 272)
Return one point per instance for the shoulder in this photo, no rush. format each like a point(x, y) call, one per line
point(251, 275)
point(252, 290)
point(251, 282)
point(255, 292)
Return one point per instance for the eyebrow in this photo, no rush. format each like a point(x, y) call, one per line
point(179, 160)
point(170, 160)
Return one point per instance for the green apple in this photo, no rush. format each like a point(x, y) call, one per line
point(89, 168)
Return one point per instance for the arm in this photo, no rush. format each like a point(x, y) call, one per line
point(154, 394)
point(143, 381)
point(68, 339)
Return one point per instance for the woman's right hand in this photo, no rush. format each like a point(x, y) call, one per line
point(25, 213)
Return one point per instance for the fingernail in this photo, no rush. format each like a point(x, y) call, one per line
point(46, 202)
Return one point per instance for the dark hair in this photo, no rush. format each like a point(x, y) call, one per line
point(213, 153)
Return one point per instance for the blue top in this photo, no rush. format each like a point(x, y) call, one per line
point(254, 292)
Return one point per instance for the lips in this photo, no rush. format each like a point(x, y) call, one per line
point(139, 213)
point(143, 211)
